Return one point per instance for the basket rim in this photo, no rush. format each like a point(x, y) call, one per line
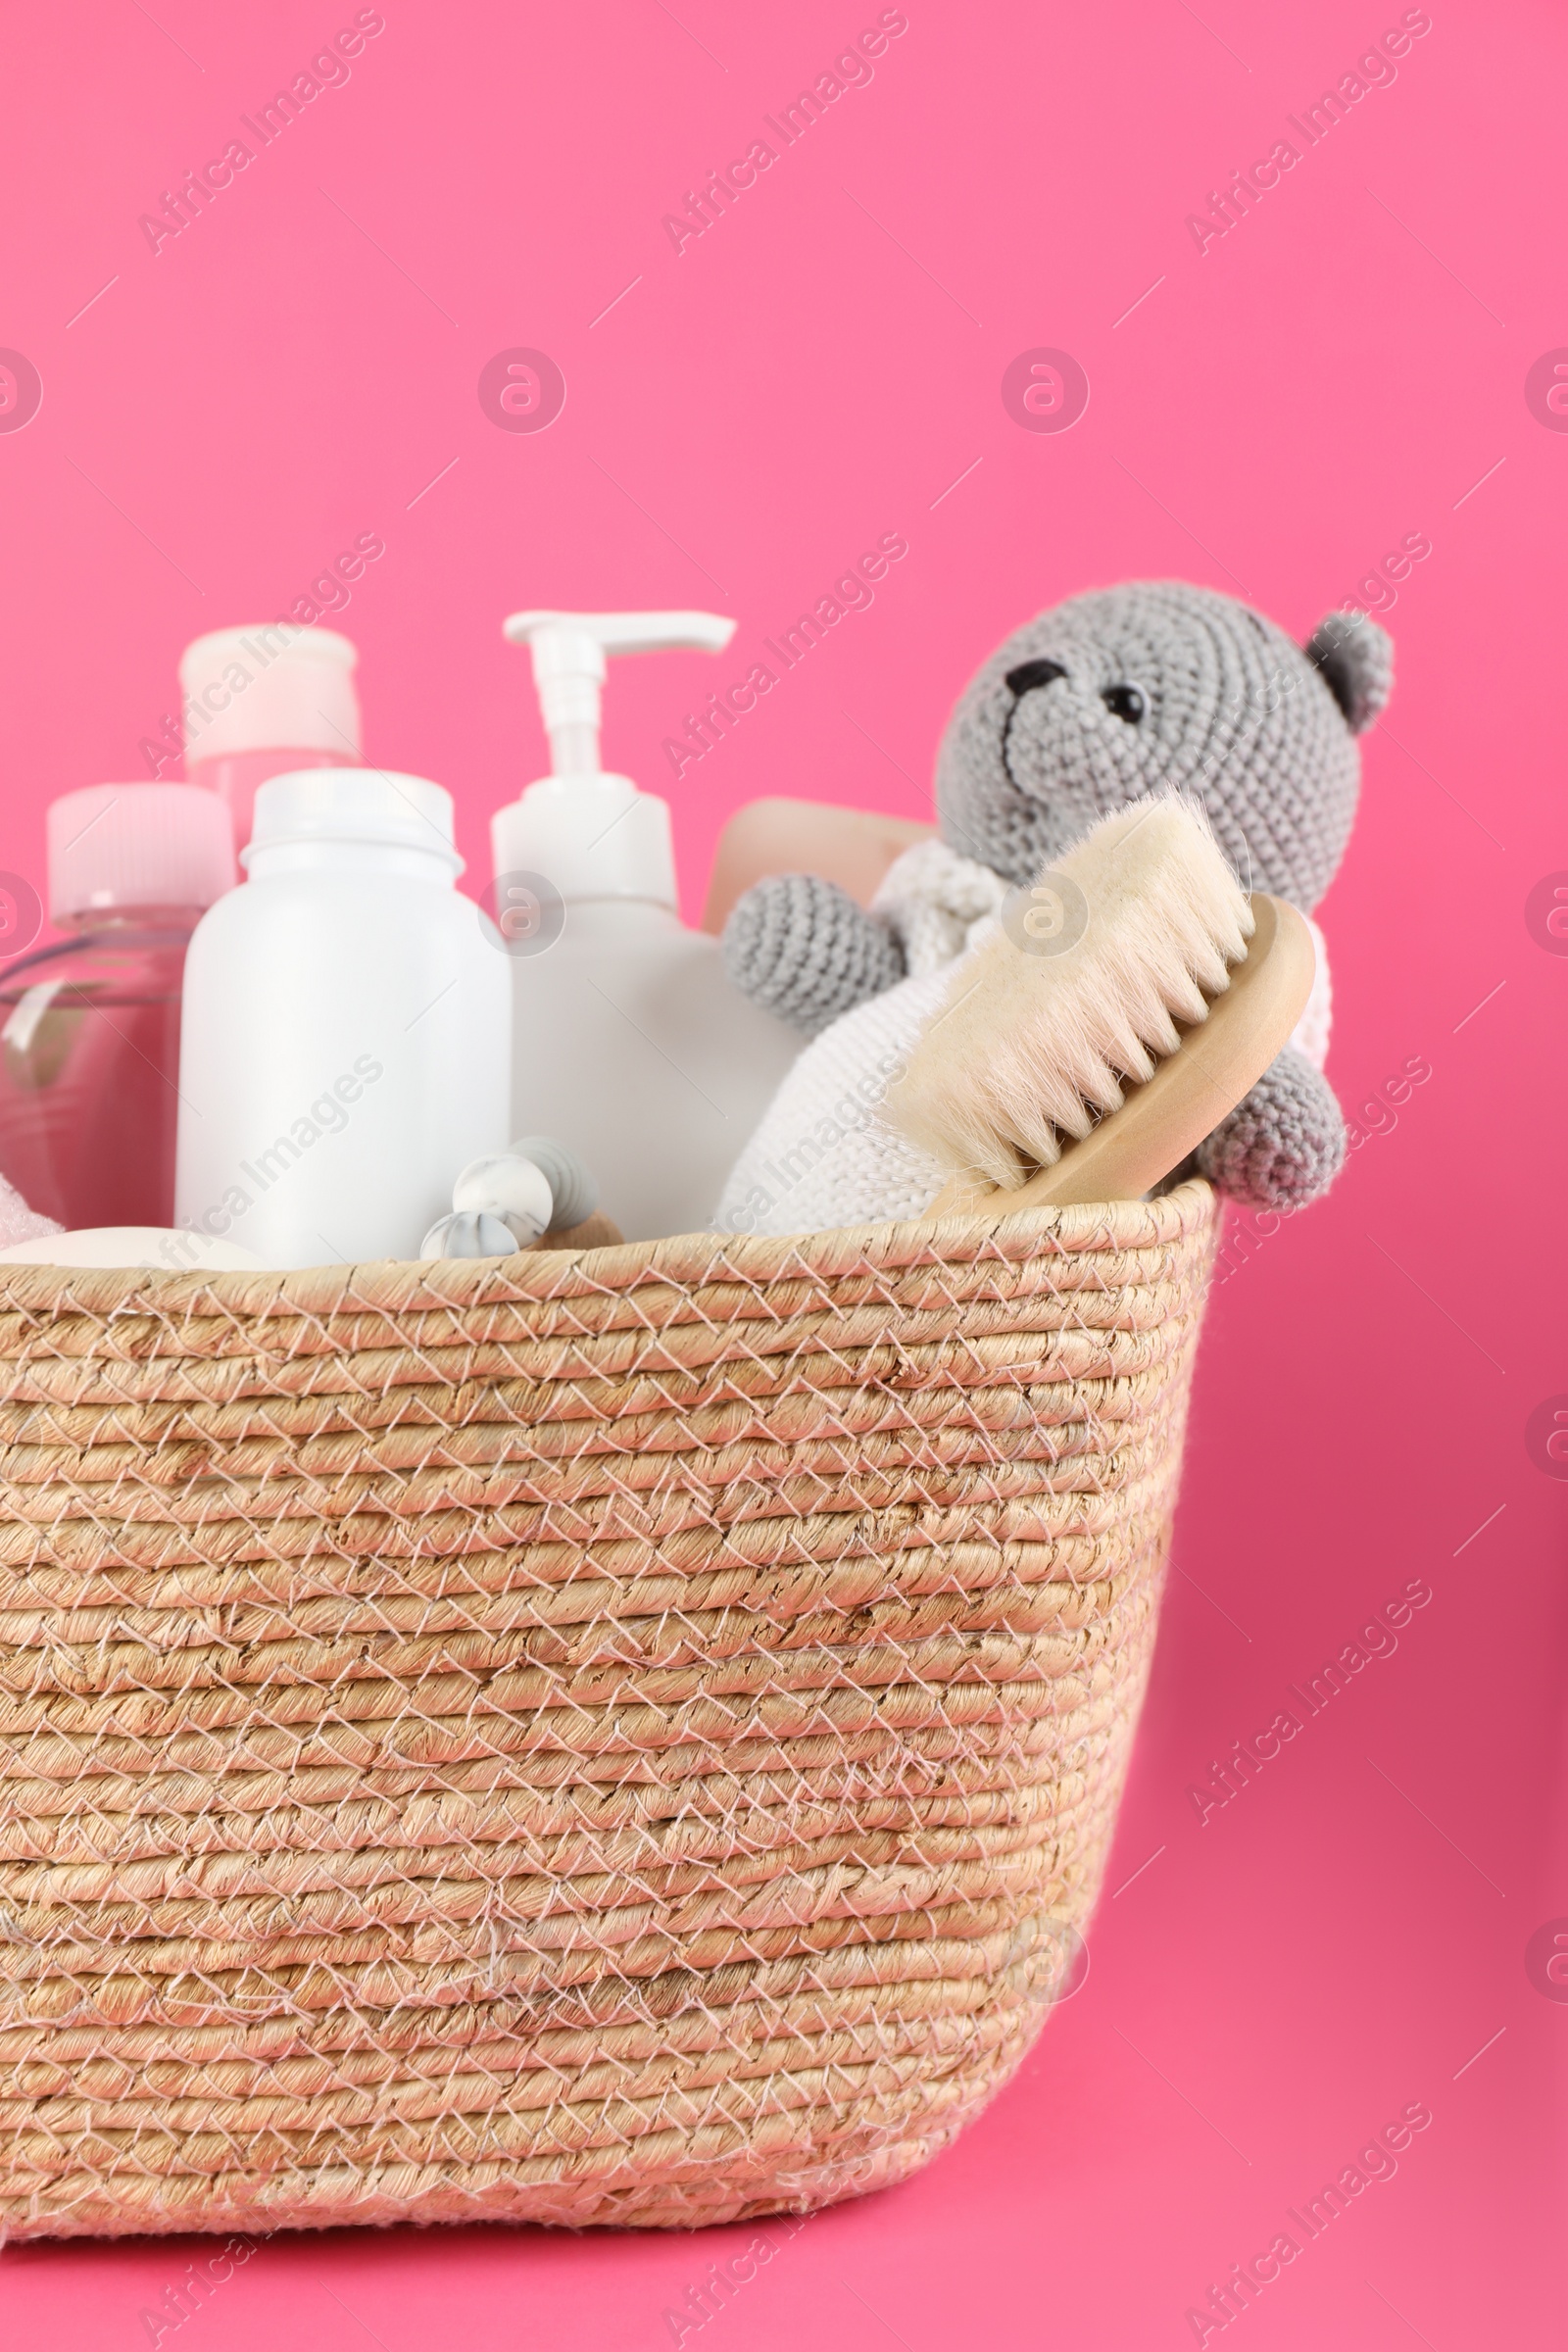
point(681, 1261)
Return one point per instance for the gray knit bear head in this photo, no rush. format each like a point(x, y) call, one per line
point(1116, 692)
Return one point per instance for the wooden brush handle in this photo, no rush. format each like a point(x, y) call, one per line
point(1218, 1062)
point(596, 1232)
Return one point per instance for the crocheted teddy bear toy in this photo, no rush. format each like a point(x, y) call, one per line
point(1110, 696)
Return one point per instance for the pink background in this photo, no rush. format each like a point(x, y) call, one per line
point(1338, 370)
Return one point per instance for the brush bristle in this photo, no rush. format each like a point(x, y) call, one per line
point(1031, 1049)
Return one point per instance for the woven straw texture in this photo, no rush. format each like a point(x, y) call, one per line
point(626, 1738)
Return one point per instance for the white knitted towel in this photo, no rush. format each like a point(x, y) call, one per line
point(823, 1153)
point(20, 1223)
point(935, 902)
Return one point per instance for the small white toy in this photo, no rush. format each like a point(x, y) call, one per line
point(506, 1200)
point(471, 1233)
point(514, 1189)
point(572, 1188)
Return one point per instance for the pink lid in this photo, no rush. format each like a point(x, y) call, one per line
point(138, 845)
point(272, 686)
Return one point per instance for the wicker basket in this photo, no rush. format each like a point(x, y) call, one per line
point(628, 1738)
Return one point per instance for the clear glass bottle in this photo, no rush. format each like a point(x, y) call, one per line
point(268, 699)
point(89, 1027)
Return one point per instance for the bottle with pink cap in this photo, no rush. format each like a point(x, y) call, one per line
point(89, 1028)
point(265, 700)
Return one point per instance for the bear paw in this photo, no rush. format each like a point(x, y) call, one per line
point(1283, 1145)
point(806, 952)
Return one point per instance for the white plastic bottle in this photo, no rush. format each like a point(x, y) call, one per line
point(629, 1040)
point(347, 1027)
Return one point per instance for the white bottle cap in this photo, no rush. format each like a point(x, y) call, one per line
point(370, 805)
point(116, 845)
point(272, 686)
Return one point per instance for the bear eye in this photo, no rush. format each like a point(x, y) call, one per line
point(1125, 702)
point(1031, 673)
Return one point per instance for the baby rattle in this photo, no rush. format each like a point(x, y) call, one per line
point(536, 1195)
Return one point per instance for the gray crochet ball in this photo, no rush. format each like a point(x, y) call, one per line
point(1105, 698)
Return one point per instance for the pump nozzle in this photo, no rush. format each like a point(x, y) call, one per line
point(569, 667)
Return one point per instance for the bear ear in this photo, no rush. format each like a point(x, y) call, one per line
point(1355, 659)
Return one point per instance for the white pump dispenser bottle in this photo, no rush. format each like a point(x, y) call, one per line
point(629, 1040)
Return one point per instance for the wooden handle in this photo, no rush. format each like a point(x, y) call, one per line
point(1219, 1059)
point(597, 1232)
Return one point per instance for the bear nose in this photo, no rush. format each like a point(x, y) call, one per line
point(1031, 673)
